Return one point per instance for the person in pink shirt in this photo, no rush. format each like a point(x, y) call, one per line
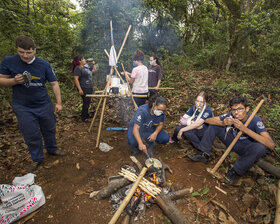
point(138, 78)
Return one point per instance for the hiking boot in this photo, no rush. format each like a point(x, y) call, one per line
point(199, 157)
point(34, 166)
point(57, 153)
point(230, 177)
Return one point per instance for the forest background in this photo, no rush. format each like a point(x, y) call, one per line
point(234, 42)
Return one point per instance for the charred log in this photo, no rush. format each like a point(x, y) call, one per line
point(170, 210)
point(112, 187)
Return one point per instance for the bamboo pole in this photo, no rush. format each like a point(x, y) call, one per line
point(95, 114)
point(124, 40)
point(113, 95)
point(213, 171)
point(111, 28)
point(103, 109)
point(163, 88)
point(277, 213)
point(128, 196)
point(129, 88)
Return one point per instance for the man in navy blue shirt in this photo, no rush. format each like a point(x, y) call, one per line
point(146, 126)
point(250, 146)
point(27, 75)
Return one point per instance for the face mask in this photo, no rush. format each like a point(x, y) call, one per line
point(158, 112)
point(134, 64)
point(151, 62)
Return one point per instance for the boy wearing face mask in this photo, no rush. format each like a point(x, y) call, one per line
point(250, 146)
point(192, 123)
point(154, 75)
point(146, 127)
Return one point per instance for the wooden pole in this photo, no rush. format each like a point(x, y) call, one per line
point(235, 140)
point(277, 213)
point(113, 95)
point(103, 109)
point(163, 88)
point(124, 40)
point(128, 85)
point(128, 196)
point(111, 28)
point(95, 114)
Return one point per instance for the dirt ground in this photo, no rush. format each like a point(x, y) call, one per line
point(67, 181)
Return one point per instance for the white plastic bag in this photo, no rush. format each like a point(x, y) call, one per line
point(104, 147)
point(19, 201)
point(26, 179)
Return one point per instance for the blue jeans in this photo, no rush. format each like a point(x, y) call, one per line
point(193, 136)
point(162, 138)
point(249, 152)
point(35, 123)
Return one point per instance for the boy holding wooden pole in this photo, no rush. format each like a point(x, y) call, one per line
point(250, 146)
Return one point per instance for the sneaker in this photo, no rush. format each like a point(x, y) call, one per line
point(86, 120)
point(200, 157)
point(34, 166)
point(57, 153)
point(171, 141)
point(230, 177)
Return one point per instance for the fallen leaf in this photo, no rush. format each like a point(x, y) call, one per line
point(79, 192)
point(248, 199)
point(202, 210)
point(50, 217)
point(55, 162)
point(92, 162)
point(49, 196)
point(78, 166)
point(262, 208)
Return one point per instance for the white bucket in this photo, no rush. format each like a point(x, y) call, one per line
point(115, 82)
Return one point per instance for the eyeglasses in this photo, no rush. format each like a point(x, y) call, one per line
point(239, 109)
point(199, 101)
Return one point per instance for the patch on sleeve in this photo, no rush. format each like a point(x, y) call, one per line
point(260, 125)
point(206, 114)
point(224, 115)
point(139, 118)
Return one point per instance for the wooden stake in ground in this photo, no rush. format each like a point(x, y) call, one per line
point(128, 196)
point(128, 85)
point(213, 171)
point(277, 213)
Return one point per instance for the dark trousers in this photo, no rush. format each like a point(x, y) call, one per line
point(35, 123)
point(249, 152)
point(86, 103)
point(140, 100)
point(193, 136)
point(152, 92)
point(162, 138)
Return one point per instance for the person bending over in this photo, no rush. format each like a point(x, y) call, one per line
point(146, 127)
